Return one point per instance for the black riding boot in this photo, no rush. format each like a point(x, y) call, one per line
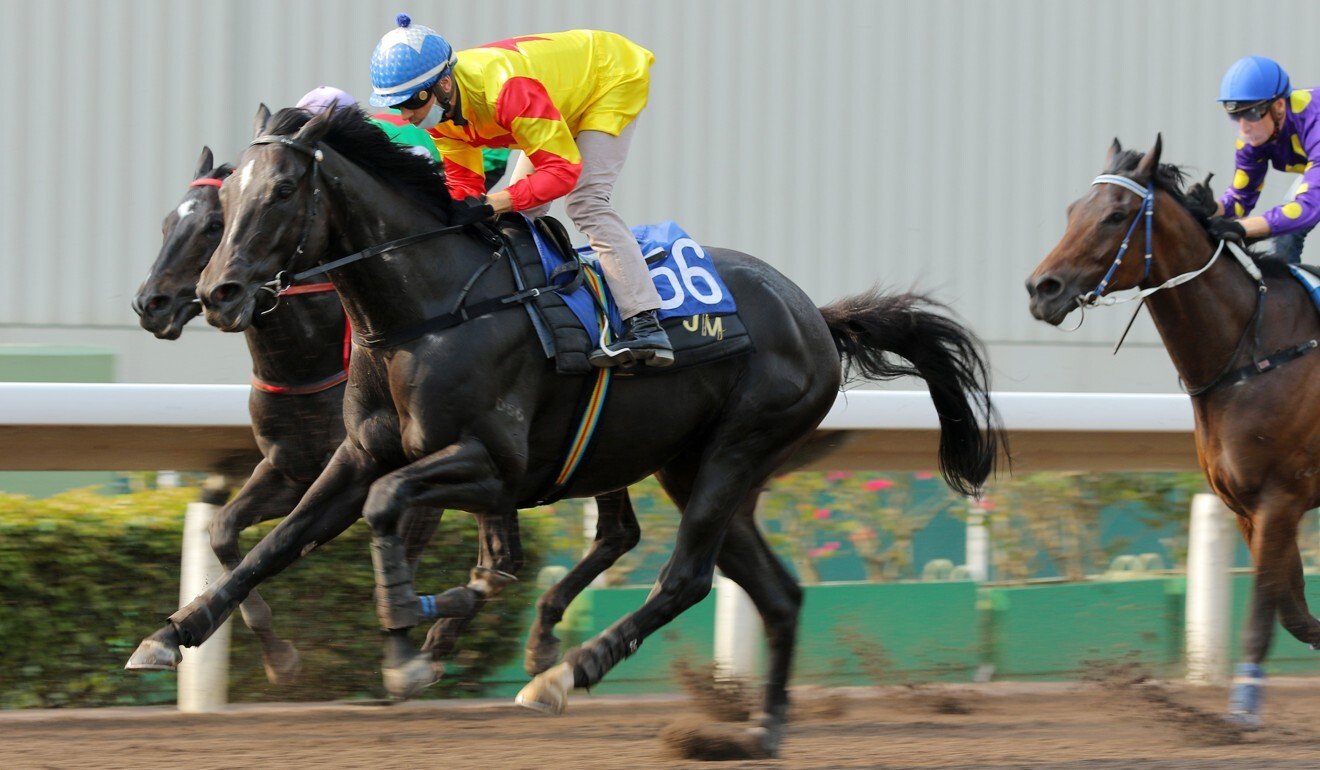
point(643, 340)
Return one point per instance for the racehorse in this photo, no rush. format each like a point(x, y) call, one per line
point(1238, 330)
point(467, 413)
point(297, 419)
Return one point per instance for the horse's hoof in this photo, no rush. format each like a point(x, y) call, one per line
point(1245, 721)
point(406, 681)
point(283, 663)
point(541, 656)
point(548, 692)
point(154, 655)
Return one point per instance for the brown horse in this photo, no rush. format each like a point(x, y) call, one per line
point(1238, 330)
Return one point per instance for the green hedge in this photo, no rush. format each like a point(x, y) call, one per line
point(83, 577)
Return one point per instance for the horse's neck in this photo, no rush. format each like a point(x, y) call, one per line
point(404, 286)
point(301, 340)
point(1201, 321)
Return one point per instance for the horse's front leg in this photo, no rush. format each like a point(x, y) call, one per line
point(1273, 540)
point(332, 503)
point(617, 533)
point(499, 561)
point(462, 476)
point(268, 494)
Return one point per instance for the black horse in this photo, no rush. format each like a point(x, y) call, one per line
point(473, 416)
point(296, 406)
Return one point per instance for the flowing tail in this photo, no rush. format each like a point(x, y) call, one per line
point(868, 327)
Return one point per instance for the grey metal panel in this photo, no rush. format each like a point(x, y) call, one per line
point(931, 145)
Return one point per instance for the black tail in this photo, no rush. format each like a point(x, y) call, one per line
point(866, 327)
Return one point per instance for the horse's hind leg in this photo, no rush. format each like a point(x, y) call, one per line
point(617, 533)
point(727, 481)
point(747, 560)
point(1294, 612)
point(268, 494)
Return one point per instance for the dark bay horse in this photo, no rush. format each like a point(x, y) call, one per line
point(472, 416)
point(296, 406)
point(1239, 340)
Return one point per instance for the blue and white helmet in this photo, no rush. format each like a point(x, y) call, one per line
point(408, 59)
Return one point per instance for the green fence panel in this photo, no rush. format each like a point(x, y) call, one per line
point(1063, 631)
point(1287, 655)
point(884, 633)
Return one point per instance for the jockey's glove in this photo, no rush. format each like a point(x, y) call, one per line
point(1225, 229)
point(470, 209)
point(1201, 201)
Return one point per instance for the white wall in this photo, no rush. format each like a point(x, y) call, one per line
point(930, 144)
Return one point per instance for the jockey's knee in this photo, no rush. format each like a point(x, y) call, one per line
point(586, 205)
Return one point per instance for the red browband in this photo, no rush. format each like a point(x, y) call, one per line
point(307, 288)
point(206, 182)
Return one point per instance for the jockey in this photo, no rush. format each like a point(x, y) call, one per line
point(399, 130)
point(1276, 126)
point(569, 101)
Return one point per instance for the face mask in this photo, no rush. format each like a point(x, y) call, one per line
point(432, 118)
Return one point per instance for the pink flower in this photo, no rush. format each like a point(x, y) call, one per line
point(823, 550)
point(821, 513)
point(985, 504)
point(877, 485)
point(865, 533)
point(923, 475)
point(837, 475)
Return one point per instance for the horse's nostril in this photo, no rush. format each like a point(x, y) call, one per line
point(152, 305)
point(1048, 287)
point(225, 293)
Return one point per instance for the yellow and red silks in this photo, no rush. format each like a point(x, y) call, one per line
point(536, 93)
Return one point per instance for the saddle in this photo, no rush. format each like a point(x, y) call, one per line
point(697, 339)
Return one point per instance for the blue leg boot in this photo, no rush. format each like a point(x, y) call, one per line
point(1244, 697)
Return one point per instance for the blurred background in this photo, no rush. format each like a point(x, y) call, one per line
point(930, 145)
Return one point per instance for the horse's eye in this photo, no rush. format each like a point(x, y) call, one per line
point(284, 189)
point(1115, 218)
point(214, 226)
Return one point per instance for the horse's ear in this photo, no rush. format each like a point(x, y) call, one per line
point(1150, 162)
point(205, 163)
point(1114, 150)
point(316, 128)
point(260, 121)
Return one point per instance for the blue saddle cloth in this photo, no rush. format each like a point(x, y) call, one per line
point(684, 275)
point(1310, 280)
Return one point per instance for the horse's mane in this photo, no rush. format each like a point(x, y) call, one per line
point(350, 134)
point(1170, 179)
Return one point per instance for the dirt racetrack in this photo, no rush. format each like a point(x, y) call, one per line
point(1002, 725)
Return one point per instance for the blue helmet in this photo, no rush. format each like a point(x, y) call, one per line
point(408, 59)
point(1253, 79)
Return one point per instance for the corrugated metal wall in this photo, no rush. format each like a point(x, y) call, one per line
point(930, 143)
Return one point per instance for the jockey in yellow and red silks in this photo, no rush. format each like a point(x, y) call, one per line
point(569, 101)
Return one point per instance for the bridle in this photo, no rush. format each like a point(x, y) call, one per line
point(1250, 333)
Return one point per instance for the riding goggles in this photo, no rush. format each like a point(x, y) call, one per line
point(1251, 112)
point(416, 101)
